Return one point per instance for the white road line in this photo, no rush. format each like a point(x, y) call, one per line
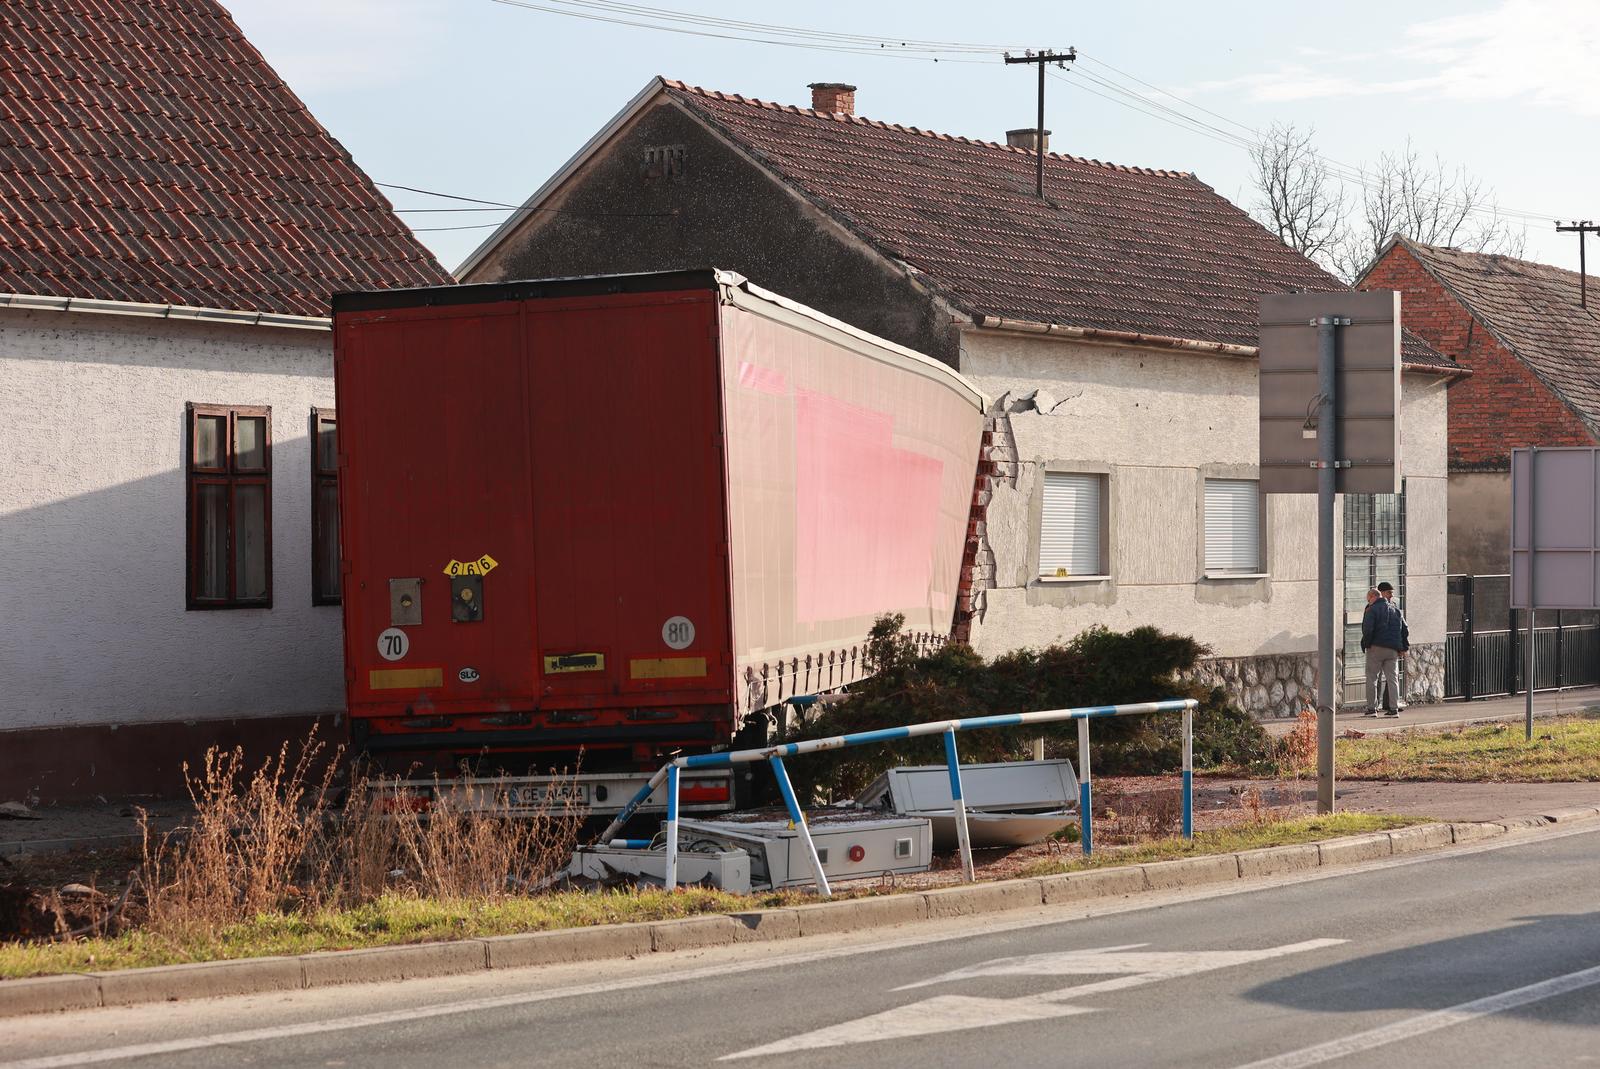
point(1080, 911)
point(1431, 1022)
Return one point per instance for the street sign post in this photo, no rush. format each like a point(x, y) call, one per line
point(1330, 406)
point(1555, 537)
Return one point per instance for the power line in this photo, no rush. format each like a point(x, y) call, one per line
point(446, 196)
point(1344, 171)
point(883, 47)
point(1357, 176)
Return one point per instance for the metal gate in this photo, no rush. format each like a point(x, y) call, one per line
point(1485, 642)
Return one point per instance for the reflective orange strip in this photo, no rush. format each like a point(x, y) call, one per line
point(405, 678)
point(667, 667)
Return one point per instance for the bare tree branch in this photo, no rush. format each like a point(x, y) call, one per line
point(1306, 204)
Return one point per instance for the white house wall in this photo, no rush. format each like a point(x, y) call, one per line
point(92, 524)
point(1157, 423)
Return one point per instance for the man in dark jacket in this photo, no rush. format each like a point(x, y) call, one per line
point(1383, 639)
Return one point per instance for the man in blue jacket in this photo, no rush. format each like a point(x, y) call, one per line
point(1383, 640)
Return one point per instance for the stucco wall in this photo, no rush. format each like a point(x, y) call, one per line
point(92, 524)
point(1480, 522)
point(1158, 424)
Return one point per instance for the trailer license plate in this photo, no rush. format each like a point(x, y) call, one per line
point(531, 796)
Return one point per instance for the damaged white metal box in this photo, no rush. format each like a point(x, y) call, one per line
point(1009, 803)
point(727, 869)
point(852, 845)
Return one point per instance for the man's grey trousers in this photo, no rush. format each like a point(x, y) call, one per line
point(1383, 663)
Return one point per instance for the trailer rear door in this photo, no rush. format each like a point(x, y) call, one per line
point(436, 431)
point(630, 532)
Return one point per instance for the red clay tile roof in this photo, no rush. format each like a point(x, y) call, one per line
point(1113, 248)
point(1533, 310)
point(149, 153)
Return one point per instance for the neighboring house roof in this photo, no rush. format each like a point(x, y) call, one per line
point(148, 153)
point(1130, 252)
point(1531, 309)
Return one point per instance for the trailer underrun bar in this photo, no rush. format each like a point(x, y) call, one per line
point(669, 773)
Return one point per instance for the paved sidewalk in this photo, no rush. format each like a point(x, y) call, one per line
point(83, 826)
point(1451, 713)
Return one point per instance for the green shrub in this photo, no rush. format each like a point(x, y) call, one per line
point(1098, 667)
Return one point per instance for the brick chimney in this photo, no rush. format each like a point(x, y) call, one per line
point(833, 97)
point(1027, 138)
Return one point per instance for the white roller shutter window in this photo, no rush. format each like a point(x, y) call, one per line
point(1069, 527)
point(1233, 526)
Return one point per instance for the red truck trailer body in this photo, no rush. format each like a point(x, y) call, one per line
point(620, 514)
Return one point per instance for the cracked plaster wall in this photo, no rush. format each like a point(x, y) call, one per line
point(1157, 424)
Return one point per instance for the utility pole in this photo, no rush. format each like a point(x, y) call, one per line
point(1583, 228)
point(1060, 59)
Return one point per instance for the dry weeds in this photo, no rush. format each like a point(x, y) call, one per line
point(275, 838)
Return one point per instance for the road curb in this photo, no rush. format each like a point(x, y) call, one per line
point(164, 983)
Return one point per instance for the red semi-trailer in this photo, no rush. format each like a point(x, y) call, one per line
point(623, 516)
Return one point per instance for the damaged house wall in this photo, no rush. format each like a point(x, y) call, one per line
point(1156, 424)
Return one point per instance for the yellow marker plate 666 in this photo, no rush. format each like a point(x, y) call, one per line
point(482, 566)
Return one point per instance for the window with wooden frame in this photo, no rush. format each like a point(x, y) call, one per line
point(324, 507)
point(230, 507)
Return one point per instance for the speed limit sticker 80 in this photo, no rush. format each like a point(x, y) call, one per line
point(678, 632)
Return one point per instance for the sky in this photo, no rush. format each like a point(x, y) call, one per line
point(486, 99)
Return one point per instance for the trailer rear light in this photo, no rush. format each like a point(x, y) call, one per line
point(652, 714)
point(703, 792)
point(404, 800)
point(858, 853)
point(507, 720)
point(570, 716)
point(422, 722)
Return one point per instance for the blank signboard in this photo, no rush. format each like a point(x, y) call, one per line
point(1554, 528)
point(1367, 388)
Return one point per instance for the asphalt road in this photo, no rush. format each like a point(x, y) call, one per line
point(1348, 969)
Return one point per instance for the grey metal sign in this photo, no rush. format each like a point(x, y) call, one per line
point(1555, 528)
point(1367, 392)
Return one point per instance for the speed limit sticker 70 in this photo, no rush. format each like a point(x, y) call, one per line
point(678, 632)
point(393, 644)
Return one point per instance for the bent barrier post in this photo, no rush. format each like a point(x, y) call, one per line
point(774, 755)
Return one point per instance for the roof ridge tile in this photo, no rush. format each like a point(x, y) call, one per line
point(851, 117)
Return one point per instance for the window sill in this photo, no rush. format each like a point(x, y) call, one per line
point(1237, 575)
point(1073, 578)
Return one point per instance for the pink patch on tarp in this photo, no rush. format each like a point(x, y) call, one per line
point(762, 379)
point(867, 513)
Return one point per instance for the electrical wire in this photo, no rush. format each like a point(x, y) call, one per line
point(1343, 171)
point(1140, 102)
point(885, 47)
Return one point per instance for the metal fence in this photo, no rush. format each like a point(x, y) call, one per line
point(1485, 651)
point(670, 772)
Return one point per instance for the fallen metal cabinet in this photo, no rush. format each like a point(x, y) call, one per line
point(851, 845)
point(1009, 803)
point(697, 863)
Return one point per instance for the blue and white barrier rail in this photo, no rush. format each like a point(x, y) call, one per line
point(774, 755)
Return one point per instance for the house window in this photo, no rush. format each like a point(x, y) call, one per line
point(230, 507)
point(1071, 526)
point(1233, 527)
point(324, 507)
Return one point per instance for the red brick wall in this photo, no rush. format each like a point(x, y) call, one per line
point(1501, 405)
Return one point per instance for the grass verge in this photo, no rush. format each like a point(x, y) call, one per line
point(387, 920)
point(393, 918)
point(1230, 840)
point(1563, 749)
